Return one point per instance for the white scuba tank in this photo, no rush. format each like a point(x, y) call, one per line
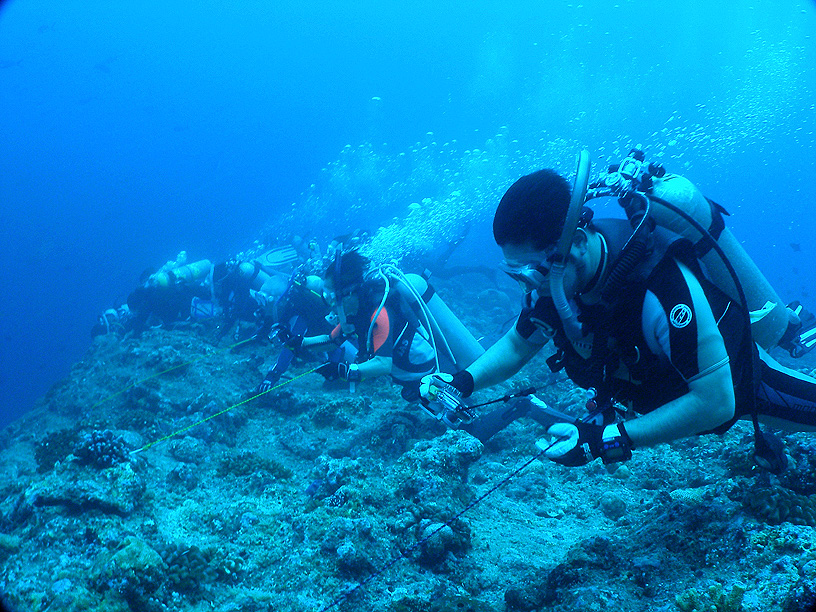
point(448, 330)
point(769, 316)
point(186, 274)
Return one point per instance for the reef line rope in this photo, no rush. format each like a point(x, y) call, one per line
point(175, 367)
point(404, 554)
point(225, 410)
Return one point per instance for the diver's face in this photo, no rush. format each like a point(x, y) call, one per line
point(350, 304)
point(346, 304)
point(531, 267)
point(528, 266)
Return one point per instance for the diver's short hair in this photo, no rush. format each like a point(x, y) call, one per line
point(533, 210)
point(347, 271)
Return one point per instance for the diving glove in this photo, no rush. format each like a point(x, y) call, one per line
point(332, 370)
point(579, 443)
point(430, 384)
point(268, 383)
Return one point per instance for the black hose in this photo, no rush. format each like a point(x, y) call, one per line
point(629, 258)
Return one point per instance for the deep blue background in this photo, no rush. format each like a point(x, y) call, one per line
point(132, 130)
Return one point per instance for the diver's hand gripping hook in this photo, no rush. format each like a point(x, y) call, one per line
point(444, 403)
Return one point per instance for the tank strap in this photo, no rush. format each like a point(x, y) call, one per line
point(704, 245)
point(257, 271)
point(429, 293)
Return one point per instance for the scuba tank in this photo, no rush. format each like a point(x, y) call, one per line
point(446, 327)
point(187, 274)
point(449, 338)
point(769, 316)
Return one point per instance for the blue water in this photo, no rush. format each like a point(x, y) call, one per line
point(132, 130)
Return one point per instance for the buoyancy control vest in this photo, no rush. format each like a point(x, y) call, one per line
point(647, 192)
point(613, 357)
point(652, 198)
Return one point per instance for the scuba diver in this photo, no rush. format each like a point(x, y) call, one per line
point(282, 302)
point(397, 322)
point(178, 291)
point(662, 317)
point(250, 290)
point(113, 321)
point(301, 310)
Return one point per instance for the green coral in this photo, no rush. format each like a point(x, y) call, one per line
point(189, 568)
point(714, 599)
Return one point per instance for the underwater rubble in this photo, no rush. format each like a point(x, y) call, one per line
point(291, 501)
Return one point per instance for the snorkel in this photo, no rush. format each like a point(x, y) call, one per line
point(559, 297)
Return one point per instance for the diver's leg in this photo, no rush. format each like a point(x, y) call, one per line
point(488, 425)
point(786, 399)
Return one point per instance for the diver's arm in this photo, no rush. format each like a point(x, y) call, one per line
point(311, 341)
point(710, 401)
point(708, 404)
point(374, 367)
point(502, 360)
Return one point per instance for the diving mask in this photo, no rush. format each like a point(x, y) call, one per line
point(531, 276)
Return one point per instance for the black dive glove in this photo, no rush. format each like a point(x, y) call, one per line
point(462, 381)
point(268, 383)
point(332, 370)
point(291, 341)
point(579, 443)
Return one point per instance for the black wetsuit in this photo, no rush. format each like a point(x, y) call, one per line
point(645, 347)
point(398, 334)
point(162, 306)
point(303, 312)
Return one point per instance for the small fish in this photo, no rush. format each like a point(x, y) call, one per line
point(796, 246)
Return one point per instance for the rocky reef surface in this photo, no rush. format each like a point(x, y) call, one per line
point(291, 501)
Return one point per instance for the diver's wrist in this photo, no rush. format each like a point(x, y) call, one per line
point(464, 383)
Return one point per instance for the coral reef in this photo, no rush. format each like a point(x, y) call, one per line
point(54, 447)
point(117, 490)
point(713, 599)
point(101, 449)
point(289, 503)
point(189, 569)
point(776, 505)
point(248, 463)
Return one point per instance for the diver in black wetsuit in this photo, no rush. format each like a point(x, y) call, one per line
point(644, 328)
point(299, 312)
point(389, 337)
